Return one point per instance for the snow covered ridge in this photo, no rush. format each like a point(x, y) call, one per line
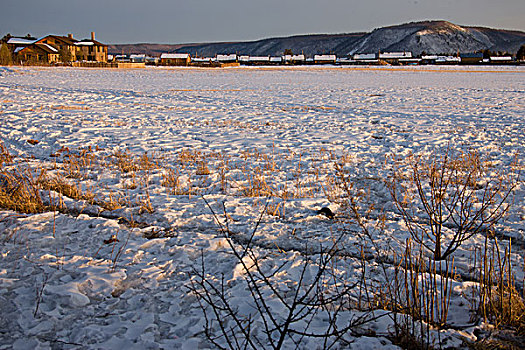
point(147, 156)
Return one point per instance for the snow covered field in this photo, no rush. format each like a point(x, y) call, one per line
point(113, 269)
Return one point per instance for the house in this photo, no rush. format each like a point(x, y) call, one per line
point(448, 60)
point(344, 61)
point(294, 59)
point(276, 60)
point(175, 59)
point(258, 60)
point(46, 49)
point(435, 59)
point(64, 44)
point(324, 59)
point(471, 58)
point(38, 53)
point(500, 59)
point(137, 58)
point(17, 43)
point(368, 58)
point(226, 58)
point(394, 57)
point(409, 61)
point(91, 50)
point(78, 50)
point(121, 58)
point(205, 62)
point(244, 59)
point(153, 61)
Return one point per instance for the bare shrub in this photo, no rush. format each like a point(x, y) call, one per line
point(313, 306)
point(456, 192)
point(413, 286)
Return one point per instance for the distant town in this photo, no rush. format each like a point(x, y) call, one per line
point(55, 50)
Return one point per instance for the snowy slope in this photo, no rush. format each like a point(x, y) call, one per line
point(433, 37)
point(437, 37)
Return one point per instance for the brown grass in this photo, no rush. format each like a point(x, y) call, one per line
point(5, 156)
point(498, 299)
point(20, 192)
point(65, 187)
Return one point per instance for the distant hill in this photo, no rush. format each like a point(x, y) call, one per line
point(432, 37)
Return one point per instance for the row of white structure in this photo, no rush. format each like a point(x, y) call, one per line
point(246, 59)
point(398, 57)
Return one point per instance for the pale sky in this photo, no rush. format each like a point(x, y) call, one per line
point(176, 21)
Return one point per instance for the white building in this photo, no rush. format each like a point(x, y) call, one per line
point(227, 58)
point(324, 59)
point(395, 55)
point(174, 56)
point(364, 56)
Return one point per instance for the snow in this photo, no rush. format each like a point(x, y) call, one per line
point(107, 284)
point(84, 43)
point(50, 47)
point(21, 41)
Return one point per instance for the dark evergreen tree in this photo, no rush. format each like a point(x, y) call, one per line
point(520, 55)
point(6, 38)
point(65, 56)
point(5, 55)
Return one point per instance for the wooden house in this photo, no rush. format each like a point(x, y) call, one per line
point(471, 58)
point(15, 44)
point(38, 53)
point(175, 59)
point(258, 60)
point(77, 50)
point(324, 59)
point(91, 50)
point(64, 44)
point(501, 59)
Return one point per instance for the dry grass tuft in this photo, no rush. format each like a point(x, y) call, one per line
point(5, 156)
point(61, 185)
point(113, 202)
point(202, 169)
point(19, 192)
point(498, 299)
